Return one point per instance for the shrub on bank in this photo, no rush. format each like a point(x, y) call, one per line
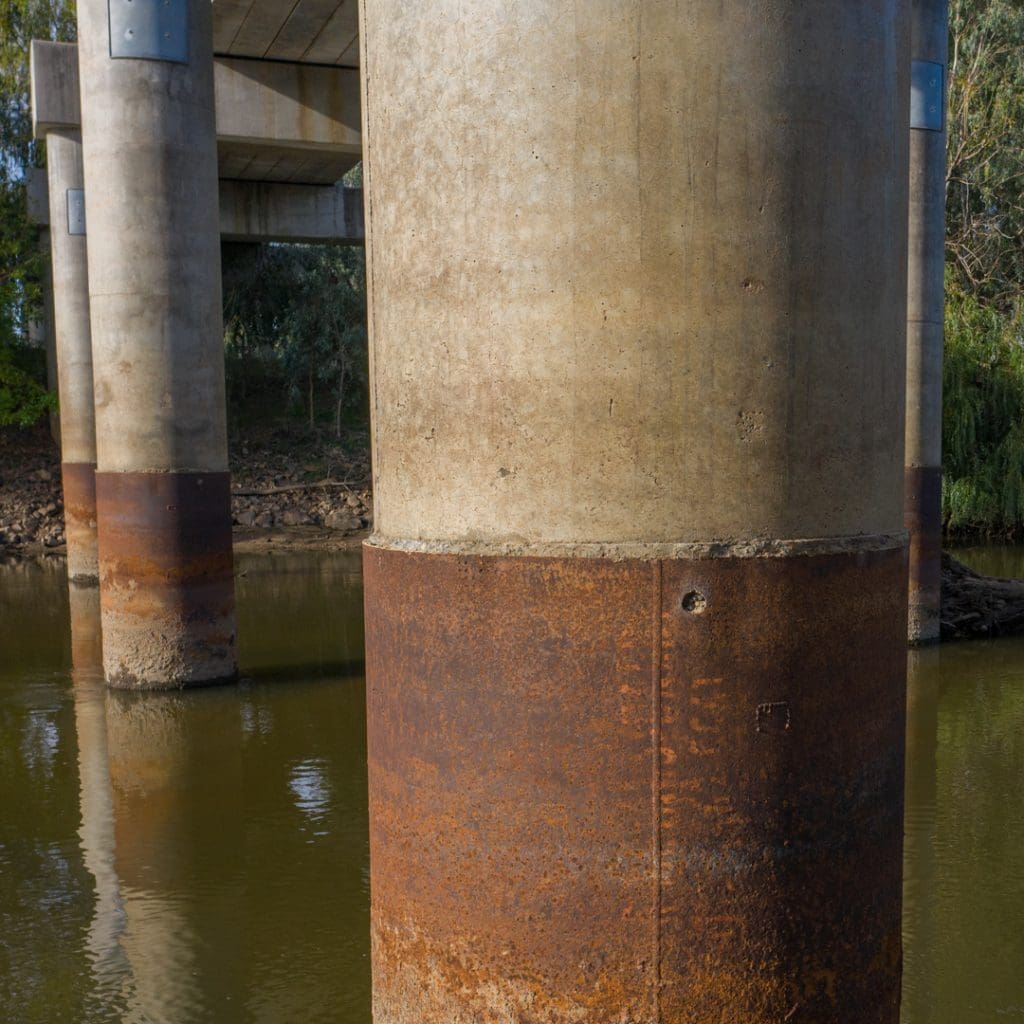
point(983, 419)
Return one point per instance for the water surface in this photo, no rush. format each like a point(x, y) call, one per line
point(202, 857)
point(190, 857)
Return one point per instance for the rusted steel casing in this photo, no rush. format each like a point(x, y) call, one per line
point(923, 519)
point(78, 480)
point(166, 578)
point(625, 791)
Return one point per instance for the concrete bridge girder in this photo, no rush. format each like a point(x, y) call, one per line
point(295, 123)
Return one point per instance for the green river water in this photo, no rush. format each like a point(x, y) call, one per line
point(203, 857)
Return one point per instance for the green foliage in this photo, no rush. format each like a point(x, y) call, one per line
point(985, 151)
point(983, 373)
point(295, 330)
point(23, 397)
point(23, 400)
point(983, 418)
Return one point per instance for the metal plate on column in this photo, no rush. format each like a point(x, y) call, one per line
point(76, 211)
point(927, 90)
point(149, 29)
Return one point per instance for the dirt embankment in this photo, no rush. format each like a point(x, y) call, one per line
point(304, 496)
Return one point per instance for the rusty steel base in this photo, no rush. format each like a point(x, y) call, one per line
point(166, 579)
point(78, 481)
point(923, 519)
point(635, 791)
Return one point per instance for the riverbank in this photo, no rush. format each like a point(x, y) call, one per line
point(288, 493)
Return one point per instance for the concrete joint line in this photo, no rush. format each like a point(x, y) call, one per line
point(759, 547)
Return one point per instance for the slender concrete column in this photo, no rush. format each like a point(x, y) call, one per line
point(41, 332)
point(162, 488)
point(636, 600)
point(74, 352)
point(925, 308)
point(49, 331)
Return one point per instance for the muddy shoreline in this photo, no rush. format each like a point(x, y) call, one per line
point(282, 500)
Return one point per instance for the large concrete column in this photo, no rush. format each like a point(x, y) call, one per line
point(925, 308)
point(74, 352)
point(636, 599)
point(162, 485)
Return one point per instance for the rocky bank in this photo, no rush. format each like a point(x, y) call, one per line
point(307, 494)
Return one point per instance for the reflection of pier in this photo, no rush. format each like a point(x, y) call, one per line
point(96, 832)
point(919, 877)
point(139, 948)
point(191, 804)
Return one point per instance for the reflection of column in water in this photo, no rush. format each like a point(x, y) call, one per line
point(96, 832)
point(919, 932)
point(146, 741)
point(86, 637)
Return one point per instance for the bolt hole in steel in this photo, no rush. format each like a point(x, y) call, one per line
point(774, 716)
point(694, 602)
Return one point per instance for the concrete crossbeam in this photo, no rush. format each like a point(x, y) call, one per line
point(252, 211)
point(275, 121)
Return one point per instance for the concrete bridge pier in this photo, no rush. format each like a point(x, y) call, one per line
point(74, 351)
point(636, 599)
point(162, 486)
point(925, 314)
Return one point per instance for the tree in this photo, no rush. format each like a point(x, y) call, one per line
point(985, 151)
point(295, 326)
point(23, 396)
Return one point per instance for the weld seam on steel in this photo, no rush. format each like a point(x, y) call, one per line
point(757, 547)
point(657, 627)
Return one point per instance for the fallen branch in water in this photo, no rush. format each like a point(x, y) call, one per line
point(974, 605)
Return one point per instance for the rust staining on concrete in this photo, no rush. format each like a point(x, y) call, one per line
point(589, 804)
point(78, 480)
point(923, 520)
point(166, 578)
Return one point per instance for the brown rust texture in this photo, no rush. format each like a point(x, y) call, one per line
point(635, 791)
point(78, 480)
point(923, 520)
point(166, 578)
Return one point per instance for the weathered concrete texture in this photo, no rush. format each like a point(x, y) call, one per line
point(253, 211)
point(324, 32)
point(154, 252)
point(925, 299)
point(53, 81)
point(923, 514)
point(78, 481)
point(73, 336)
point(635, 791)
point(286, 122)
point(166, 579)
point(634, 268)
point(158, 360)
point(275, 121)
point(71, 301)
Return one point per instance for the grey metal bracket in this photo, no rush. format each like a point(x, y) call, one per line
point(149, 29)
point(927, 95)
point(76, 211)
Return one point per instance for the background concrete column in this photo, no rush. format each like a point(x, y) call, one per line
point(636, 600)
point(74, 354)
point(41, 332)
point(162, 486)
point(925, 314)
